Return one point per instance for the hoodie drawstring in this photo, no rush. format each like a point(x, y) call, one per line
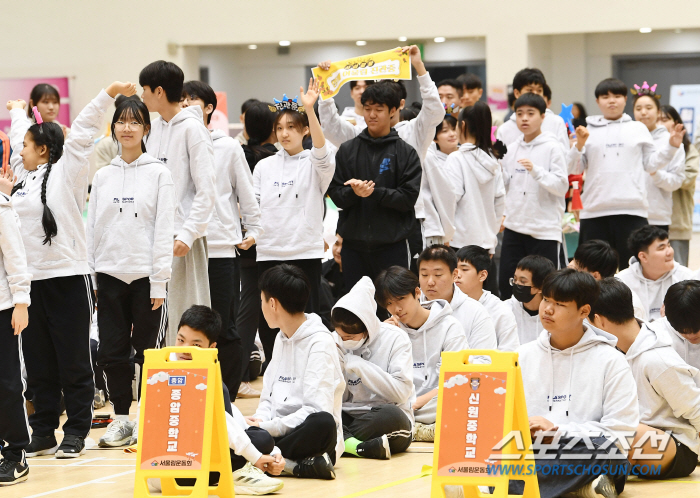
point(168, 127)
point(425, 355)
point(571, 369)
point(551, 378)
point(121, 193)
point(136, 186)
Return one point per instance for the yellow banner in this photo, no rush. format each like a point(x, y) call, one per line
point(390, 64)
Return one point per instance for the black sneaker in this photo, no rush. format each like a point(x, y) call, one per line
point(12, 472)
point(377, 448)
point(319, 467)
point(71, 447)
point(41, 445)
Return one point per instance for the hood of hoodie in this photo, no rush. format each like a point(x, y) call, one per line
point(360, 301)
point(601, 121)
point(439, 309)
point(591, 337)
point(142, 160)
point(542, 138)
point(217, 134)
point(379, 141)
point(651, 292)
point(689, 352)
point(647, 340)
point(486, 165)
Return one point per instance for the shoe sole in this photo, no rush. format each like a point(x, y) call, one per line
point(49, 451)
point(606, 487)
point(61, 454)
point(385, 443)
point(257, 490)
point(16, 481)
point(115, 444)
point(247, 396)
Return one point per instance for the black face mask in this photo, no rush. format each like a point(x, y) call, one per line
point(523, 293)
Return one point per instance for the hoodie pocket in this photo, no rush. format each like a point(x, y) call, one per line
point(125, 247)
point(286, 228)
point(62, 247)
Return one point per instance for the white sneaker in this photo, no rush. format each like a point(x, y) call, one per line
point(603, 485)
point(250, 480)
point(247, 391)
point(424, 432)
point(118, 434)
point(135, 434)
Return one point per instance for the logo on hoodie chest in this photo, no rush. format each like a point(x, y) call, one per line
point(290, 183)
point(385, 165)
point(559, 398)
point(418, 364)
point(125, 200)
point(355, 382)
point(286, 379)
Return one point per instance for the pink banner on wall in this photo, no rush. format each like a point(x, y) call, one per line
point(20, 88)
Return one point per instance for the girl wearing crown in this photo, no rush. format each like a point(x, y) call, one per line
point(290, 187)
point(49, 202)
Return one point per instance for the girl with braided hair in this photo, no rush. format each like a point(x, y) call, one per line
point(49, 201)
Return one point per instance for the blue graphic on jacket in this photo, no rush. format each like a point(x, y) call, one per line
point(385, 166)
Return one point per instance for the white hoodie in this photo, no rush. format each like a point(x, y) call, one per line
point(234, 187)
point(438, 197)
point(15, 280)
point(65, 195)
point(290, 191)
point(508, 132)
point(535, 198)
point(616, 156)
point(503, 321)
point(349, 113)
point(304, 377)
point(478, 185)
point(587, 388)
point(130, 222)
point(689, 352)
point(660, 187)
point(184, 145)
point(381, 370)
point(668, 390)
point(652, 292)
point(529, 327)
point(441, 332)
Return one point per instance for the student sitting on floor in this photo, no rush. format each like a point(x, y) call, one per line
point(377, 415)
point(578, 388)
point(301, 400)
point(527, 295)
point(652, 269)
point(470, 275)
point(667, 387)
point(432, 330)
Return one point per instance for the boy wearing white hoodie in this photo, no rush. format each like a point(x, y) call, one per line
point(432, 330)
point(587, 400)
point(682, 321)
point(668, 390)
point(527, 295)
point(235, 200)
point(534, 172)
point(377, 363)
point(302, 395)
point(652, 269)
point(616, 153)
point(180, 140)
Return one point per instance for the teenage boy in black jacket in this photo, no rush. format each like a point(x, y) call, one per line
point(376, 184)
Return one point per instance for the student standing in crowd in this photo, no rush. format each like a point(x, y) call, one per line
point(243, 137)
point(450, 91)
point(46, 99)
point(355, 115)
point(527, 295)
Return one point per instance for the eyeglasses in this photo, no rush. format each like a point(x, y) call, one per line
point(121, 125)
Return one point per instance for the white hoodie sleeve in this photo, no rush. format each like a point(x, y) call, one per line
point(336, 129)
point(13, 256)
point(202, 171)
point(499, 201)
point(239, 441)
point(242, 183)
point(396, 385)
point(439, 207)
point(317, 392)
point(672, 176)
point(323, 162)
point(81, 140)
point(555, 180)
point(680, 390)
point(654, 159)
point(483, 333)
point(90, 227)
point(431, 114)
point(576, 161)
point(163, 236)
point(18, 129)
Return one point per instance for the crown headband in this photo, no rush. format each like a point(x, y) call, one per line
point(449, 109)
point(287, 103)
point(37, 117)
point(645, 89)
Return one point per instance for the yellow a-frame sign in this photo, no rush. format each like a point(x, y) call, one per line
point(479, 406)
point(182, 425)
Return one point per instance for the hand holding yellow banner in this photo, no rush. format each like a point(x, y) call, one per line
point(391, 64)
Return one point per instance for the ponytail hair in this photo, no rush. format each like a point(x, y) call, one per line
point(259, 124)
point(476, 120)
point(50, 135)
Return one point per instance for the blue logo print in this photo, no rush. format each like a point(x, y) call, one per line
point(385, 165)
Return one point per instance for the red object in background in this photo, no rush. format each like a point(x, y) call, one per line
point(575, 182)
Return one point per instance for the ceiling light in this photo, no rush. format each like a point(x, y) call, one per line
point(645, 30)
point(360, 43)
point(252, 47)
point(403, 38)
point(285, 43)
point(439, 39)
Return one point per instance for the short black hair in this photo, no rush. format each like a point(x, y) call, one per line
point(528, 76)
point(398, 87)
point(614, 301)
point(395, 281)
point(381, 94)
point(439, 252)
point(247, 105)
point(539, 266)
point(611, 85)
point(682, 304)
point(531, 100)
point(476, 256)
point(451, 122)
point(597, 255)
point(547, 92)
point(511, 99)
point(202, 319)
point(288, 284)
point(454, 83)
point(166, 75)
point(200, 90)
point(642, 238)
point(121, 98)
point(407, 114)
point(569, 285)
point(470, 81)
point(354, 83)
point(347, 321)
